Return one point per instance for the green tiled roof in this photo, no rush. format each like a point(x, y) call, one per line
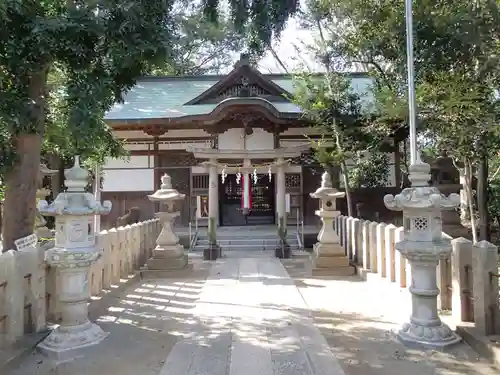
point(164, 97)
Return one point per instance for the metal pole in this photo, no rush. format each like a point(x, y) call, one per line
point(302, 233)
point(97, 196)
point(190, 235)
point(412, 104)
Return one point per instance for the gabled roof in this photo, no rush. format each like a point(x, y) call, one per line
point(177, 97)
point(242, 76)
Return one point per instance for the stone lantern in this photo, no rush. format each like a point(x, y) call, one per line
point(73, 253)
point(168, 254)
point(328, 254)
point(40, 223)
point(423, 246)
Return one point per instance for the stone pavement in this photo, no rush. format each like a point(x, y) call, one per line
point(249, 316)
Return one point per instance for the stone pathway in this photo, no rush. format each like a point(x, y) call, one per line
point(248, 316)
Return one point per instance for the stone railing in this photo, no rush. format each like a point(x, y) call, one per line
point(29, 288)
point(468, 279)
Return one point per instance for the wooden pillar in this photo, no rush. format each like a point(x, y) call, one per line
point(156, 166)
point(156, 170)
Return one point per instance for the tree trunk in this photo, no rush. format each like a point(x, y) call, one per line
point(482, 199)
point(470, 198)
point(21, 181)
point(345, 173)
point(56, 180)
point(20, 193)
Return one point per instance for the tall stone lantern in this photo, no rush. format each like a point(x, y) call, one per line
point(73, 253)
point(40, 223)
point(328, 254)
point(168, 254)
point(423, 246)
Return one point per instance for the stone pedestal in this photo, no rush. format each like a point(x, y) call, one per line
point(75, 332)
point(423, 245)
point(73, 254)
point(168, 254)
point(328, 256)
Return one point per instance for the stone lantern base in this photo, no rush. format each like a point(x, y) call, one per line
point(67, 343)
point(168, 258)
point(330, 259)
point(328, 256)
point(75, 332)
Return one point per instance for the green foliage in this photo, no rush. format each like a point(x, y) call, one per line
point(456, 60)
point(282, 229)
point(198, 45)
point(2, 193)
point(330, 103)
point(369, 171)
point(257, 21)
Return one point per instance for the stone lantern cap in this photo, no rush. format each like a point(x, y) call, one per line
point(75, 201)
point(326, 190)
point(166, 192)
point(420, 195)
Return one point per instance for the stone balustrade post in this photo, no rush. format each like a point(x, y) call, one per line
point(142, 250)
point(135, 245)
point(347, 237)
point(400, 261)
point(129, 247)
point(344, 233)
point(461, 262)
point(339, 228)
point(115, 256)
point(365, 244)
point(390, 252)
point(122, 251)
point(485, 287)
point(353, 240)
point(444, 279)
point(372, 246)
point(107, 259)
point(381, 263)
point(14, 289)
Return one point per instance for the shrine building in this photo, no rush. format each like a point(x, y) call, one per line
point(208, 133)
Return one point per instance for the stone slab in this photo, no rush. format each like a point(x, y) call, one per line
point(335, 272)
point(12, 354)
point(487, 346)
point(167, 263)
point(330, 262)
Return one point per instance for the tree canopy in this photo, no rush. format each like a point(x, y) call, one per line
point(99, 49)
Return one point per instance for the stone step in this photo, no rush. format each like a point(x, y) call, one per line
point(241, 247)
point(239, 241)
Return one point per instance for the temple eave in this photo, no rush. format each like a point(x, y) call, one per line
point(285, 152)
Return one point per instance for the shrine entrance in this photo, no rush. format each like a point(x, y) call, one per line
point(263, 197)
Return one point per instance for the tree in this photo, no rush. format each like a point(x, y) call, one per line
point(370, 170)
point(198, 45)
point(101, 47)
point(457, 72)
point(332, 106)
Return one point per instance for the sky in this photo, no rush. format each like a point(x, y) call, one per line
point(294, 37)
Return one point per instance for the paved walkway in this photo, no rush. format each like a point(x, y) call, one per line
point(248, 316)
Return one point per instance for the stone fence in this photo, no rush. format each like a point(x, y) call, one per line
point(29, 287)
point(468, 279)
